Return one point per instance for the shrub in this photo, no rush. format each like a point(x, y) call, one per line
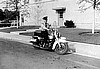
point(69, 24)
point(5, 25)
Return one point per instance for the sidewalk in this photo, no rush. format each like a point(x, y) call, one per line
point(84, 49)
point(18, 32)
point(15, 37)
point(6, 27)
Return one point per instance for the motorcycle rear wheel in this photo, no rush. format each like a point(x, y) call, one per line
point(62, 49)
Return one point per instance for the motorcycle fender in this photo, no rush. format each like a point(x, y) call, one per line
point(57, 42)
point(62, 40)
point(33, 40)
point(54, 45)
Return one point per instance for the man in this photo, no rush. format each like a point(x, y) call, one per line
point(45, 25)
point(43, 31)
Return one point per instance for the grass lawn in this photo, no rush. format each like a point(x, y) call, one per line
point(22, 28)
point(77, 35)
point(72, 34)
point(81, 35)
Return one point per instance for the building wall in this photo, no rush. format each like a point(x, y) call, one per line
point(81, 20)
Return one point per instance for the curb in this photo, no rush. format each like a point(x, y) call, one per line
point(14, 37)
point(85, 49)
point(18, 32)
point(6, 27)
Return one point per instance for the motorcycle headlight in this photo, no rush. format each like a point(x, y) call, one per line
point(50, 37)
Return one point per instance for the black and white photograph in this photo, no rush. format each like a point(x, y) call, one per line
point(49, 34)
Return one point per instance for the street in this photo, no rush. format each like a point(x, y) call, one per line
point(16, 55)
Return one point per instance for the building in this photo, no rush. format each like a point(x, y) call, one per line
point(81, 20)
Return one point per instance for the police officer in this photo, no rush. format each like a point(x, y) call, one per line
point(45, 25)
point(45, 28)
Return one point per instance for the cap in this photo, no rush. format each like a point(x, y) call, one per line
point(45, 18)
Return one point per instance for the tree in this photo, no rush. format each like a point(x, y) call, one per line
point(93, 3)
point(18, 6)
point(1, 14)
point(23, 7)
point(7, 15)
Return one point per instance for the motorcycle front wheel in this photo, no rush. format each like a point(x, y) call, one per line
point(61, 48)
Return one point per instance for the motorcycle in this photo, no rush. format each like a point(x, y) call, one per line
point(52, 41)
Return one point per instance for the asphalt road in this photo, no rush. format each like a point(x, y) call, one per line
point(15, 55)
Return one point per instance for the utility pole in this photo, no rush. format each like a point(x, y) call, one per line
point(93, 25)
point(16, 9)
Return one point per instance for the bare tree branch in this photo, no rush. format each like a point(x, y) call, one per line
point(3, 2)
point(42, 2)
point(87, 1)
point(93, 4)
point(98, 3)
point(87, 7)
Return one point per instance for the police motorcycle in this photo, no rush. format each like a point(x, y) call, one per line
point(50, 40)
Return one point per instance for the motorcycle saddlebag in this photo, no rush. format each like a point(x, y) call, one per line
point(37, 33)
